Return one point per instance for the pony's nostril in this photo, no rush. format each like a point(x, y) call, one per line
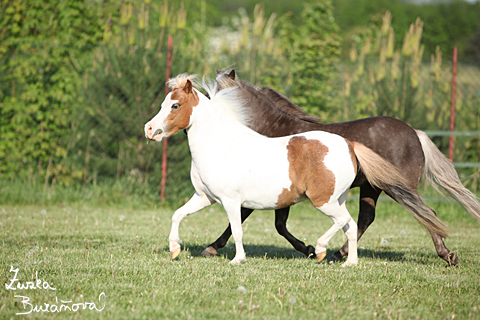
point(148, 131)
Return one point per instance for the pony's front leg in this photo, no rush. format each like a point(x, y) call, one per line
point(233, 210)
point(196, 203)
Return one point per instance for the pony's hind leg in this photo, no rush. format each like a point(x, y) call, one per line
point(350, 230)
point(341, 219)
point(415, 205)
point(368, 203)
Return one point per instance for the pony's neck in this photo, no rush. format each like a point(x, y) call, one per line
point(214, 123)
point(268, 119)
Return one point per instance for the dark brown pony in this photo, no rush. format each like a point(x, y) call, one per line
point(411, 151)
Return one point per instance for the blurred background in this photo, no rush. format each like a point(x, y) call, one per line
point(79, 79)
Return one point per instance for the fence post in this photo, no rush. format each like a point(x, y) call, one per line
point(452, 105)
point(165, 140)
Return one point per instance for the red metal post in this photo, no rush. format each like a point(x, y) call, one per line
point(165, 140)
point(452, 105)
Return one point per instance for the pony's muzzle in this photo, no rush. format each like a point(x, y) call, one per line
point(156, 136)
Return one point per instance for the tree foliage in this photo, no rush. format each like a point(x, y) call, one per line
point(123, 89)
point(447, 23)
point(39, 86)
point(313, 48)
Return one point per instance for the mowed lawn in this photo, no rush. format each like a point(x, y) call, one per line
point(84, 251)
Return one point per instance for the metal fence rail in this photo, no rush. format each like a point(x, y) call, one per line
point(452, 133)
point(439, 133)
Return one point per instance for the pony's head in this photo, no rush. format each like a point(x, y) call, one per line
point(176, 111)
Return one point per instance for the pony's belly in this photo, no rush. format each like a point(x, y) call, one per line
point(264, 192)
point(253, 190)
point(256, 178)
point(272, 204)
point(261, 204)
point(263, 187)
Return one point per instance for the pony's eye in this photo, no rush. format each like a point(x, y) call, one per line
point(175, 106)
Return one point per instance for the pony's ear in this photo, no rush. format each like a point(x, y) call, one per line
point(218, 72)
point(188, 87)
point(231, 75)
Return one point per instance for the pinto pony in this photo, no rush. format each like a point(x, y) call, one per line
point(317, 165)
point(409, 150)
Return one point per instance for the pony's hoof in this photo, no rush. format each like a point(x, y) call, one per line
point(452, 259)
point(336, 257)
point(236, 261)
point(321, 255)
point(310, 251)
point(209, 252)
point(176, 252)
point(349, 263)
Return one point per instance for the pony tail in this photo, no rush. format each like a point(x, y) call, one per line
point(439, 171)
point(379, 172)
point(383, 175)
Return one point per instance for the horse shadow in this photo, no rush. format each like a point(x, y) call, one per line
point(276, 252)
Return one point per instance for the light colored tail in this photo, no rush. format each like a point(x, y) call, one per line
point(383, 175)
point(439, 171)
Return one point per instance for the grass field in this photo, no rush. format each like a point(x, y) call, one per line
point(84, 251)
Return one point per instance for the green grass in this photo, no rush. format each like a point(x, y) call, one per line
point(83, 251)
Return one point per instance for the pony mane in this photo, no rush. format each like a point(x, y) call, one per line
point(180, 81)
point(265, 95)
point(289, 107)
point(230, 99)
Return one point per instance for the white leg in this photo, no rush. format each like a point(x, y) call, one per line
point(234, 216)
point(350, 230)
point(351, 233)
point(196, 203)
point(340, 216)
